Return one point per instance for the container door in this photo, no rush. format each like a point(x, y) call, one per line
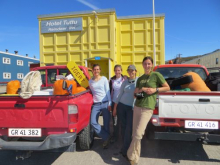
point(104, 66)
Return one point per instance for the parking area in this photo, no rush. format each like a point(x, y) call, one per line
point(153, 152)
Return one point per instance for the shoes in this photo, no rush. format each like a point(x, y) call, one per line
point(106, 143)
point(124, 155)
point(113, 139)
point(132, 162)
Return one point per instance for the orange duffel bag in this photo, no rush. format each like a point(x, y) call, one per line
point(80, 89)
point(13, 86)
point(197, 84)
point(58, 87)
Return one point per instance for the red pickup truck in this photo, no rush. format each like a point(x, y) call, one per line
point(186, 115)
point(45, 122)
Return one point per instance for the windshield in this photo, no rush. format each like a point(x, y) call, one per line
point(43, 73)
point(175, 72)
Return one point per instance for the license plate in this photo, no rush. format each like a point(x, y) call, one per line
point(201, 124)
point(24, 132)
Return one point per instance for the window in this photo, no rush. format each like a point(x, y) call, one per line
point(20, 62)
point(43, 75)
point(216, 60)
point(6, 60)
point(178, 72)
point(51, 76)
point(64, 72)
point(20, 75)
point(29, 64)
point(6, 75)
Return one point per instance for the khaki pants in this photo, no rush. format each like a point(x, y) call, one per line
point(141, 117)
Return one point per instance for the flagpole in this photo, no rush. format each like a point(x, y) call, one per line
point(154, 50)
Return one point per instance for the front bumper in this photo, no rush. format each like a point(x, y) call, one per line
point(51, 142)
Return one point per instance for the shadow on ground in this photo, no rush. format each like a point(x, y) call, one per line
point(175, 151)
point(42, 158)
point(172, 151)
point(111, 155)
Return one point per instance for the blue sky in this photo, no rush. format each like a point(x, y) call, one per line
point(192, 27)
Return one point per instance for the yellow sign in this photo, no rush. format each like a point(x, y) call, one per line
point(77, 74)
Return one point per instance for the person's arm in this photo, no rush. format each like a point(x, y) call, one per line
point(165, 87)
point(110, 85)
point(90, 86)
point(107, 91)
point(120, 92)
point(118, 98)
point(137, 88)
point(115, 109)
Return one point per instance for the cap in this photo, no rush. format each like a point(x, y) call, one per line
point(132, 67)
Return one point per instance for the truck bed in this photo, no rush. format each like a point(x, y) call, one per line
point(50, 113)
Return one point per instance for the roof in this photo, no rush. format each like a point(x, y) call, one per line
point(141, 16)
point(99, 11)
point(179, 65)
point(19, 56)
point(77, 13)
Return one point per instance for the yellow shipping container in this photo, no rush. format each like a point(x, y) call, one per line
point(99, 36)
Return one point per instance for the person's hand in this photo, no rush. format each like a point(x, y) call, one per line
point(150, 91)
point(109, 108)
point(114, 112)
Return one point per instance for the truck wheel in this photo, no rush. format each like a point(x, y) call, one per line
point(149, 133)
point(86, 137)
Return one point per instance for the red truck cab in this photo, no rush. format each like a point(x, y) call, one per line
point(49, 73)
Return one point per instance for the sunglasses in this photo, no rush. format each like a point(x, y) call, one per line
point(131, 81)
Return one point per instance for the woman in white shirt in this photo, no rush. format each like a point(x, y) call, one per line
point(115, 85)
point(102, 103)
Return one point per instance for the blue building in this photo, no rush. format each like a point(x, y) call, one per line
point(14, 66)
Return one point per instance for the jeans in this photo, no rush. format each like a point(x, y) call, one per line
point(102, 132)
point(125, 115)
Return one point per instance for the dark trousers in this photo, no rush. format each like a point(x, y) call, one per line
point(115, 124)
point(125, 115)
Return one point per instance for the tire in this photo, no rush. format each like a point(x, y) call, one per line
point(86, 137)
point(149, 133)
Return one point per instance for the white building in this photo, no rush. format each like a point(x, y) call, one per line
point(209, 60)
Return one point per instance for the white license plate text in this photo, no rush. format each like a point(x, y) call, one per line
point(201, 124)
point(24, 132)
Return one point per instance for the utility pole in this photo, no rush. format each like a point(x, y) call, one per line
point(179, 58)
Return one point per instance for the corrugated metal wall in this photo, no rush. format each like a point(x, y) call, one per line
point(135, 41)
point(124, 41)
point(96, 39)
